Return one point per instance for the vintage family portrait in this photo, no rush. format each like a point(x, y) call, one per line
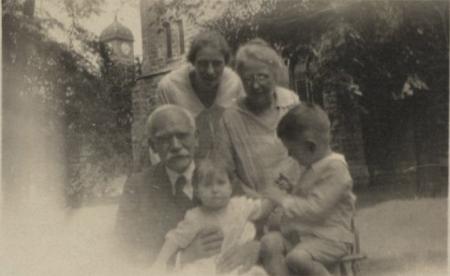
point(224, 137)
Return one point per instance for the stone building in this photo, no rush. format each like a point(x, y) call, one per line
point(164, 45)
point(165, 42)
point(120, 40)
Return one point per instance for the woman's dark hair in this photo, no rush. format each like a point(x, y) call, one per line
point(211, 39)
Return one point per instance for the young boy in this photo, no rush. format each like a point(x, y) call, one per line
point(315, 229)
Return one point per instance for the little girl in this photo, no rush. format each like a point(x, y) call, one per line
point(234, 216)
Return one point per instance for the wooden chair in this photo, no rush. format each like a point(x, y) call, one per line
point(349, 264)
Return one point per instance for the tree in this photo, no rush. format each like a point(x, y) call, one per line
point(62, 90)
point(367, 52)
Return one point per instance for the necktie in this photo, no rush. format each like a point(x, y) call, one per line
point(179, 185)
point(182, 200)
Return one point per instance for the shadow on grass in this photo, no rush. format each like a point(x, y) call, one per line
point(372, 195)
point(431, 263)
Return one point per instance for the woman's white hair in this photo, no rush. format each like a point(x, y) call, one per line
point(258, 49)
point(163, 109)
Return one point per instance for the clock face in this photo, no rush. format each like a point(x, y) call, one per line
point(125, 47)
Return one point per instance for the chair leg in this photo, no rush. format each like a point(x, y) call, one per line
point(335, 270)
point(347, 269)
point(355, 268)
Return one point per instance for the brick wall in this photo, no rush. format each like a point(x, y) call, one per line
point(142, 104)
point(155, 64)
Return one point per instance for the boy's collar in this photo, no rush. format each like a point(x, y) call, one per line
point(319, 164)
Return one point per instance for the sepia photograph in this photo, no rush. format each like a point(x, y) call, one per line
point(224, 137)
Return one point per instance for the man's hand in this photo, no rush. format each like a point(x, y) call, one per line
point(244, 256)
point(206, 244)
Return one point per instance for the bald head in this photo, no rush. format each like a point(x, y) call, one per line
point(165, 115)
point(172, 134)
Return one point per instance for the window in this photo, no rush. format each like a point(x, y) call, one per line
point(304, 86)
point(306, 92)
point(166, 26)
point(181, 36)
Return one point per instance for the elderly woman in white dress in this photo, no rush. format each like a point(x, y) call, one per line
point(248, 140)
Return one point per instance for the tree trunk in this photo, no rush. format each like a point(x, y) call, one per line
point(16, 112)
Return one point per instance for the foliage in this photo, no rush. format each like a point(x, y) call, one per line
point(80, 88)
point(81, 9)
point(393, 39)
point(93, 182)
point(385, 60)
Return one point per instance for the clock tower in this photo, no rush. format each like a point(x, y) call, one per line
point(119, 40)
point(120, 79)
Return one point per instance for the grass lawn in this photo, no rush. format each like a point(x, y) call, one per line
point(400, 233)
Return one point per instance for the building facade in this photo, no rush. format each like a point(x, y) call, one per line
point(165, 41)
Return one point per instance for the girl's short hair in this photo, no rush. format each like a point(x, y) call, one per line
point(209, 39)
point(258, 49)
point(205, 169)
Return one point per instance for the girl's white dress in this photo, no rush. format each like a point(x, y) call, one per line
point(235, 220)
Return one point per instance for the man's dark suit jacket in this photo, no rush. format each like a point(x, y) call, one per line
point(147, 211)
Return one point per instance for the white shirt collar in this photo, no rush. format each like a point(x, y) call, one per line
point(173, 177)
point(319, 164)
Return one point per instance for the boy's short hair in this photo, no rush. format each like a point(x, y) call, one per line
point(305, 120)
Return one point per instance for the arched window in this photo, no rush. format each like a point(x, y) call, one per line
point(166, 26)
point(181, 35)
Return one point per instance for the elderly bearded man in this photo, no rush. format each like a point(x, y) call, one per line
point(156, 199)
